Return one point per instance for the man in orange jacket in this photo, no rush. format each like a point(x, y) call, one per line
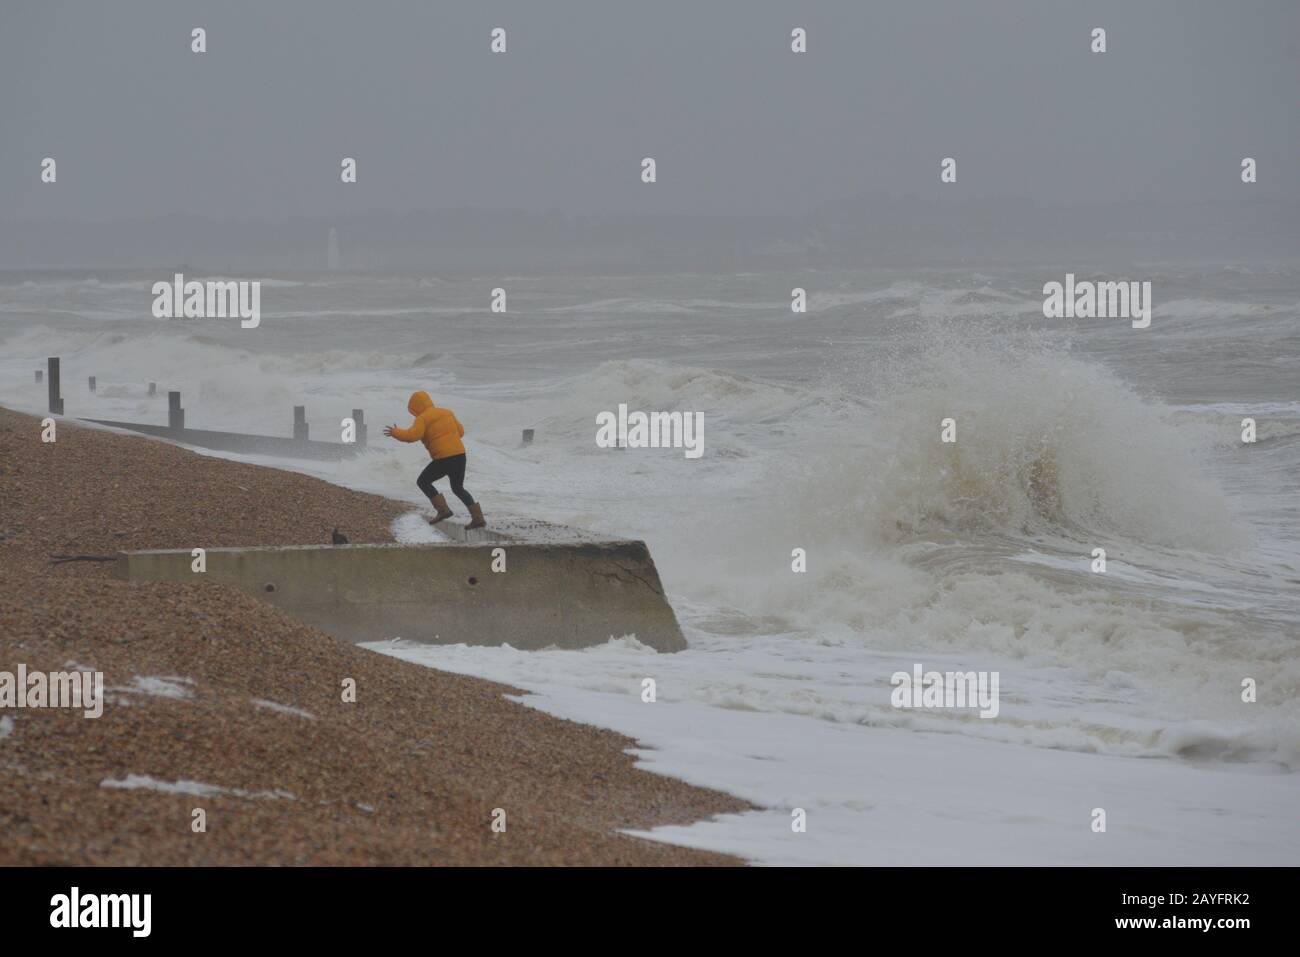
point(440, 431)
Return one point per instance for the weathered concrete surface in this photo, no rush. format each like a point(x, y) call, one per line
point(570, 594)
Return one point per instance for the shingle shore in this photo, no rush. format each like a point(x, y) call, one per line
point(409, 774)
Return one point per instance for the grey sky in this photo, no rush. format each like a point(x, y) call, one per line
point(256, 126)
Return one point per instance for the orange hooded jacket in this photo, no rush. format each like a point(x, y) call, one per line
point(438, 429)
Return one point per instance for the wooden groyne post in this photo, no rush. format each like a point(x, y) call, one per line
point(175, 414)
point(56, 397)
point(359, 417)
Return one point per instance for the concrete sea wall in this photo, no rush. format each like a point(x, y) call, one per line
point(568, 594)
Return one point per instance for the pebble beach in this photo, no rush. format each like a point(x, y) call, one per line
point(215, 701)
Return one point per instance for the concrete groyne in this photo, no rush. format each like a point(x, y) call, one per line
point(238, 441)
point(530, 594)
point(300, 446)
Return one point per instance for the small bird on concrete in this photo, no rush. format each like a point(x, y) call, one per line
point(338, 538)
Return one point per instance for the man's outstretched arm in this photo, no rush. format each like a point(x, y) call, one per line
point(413, 434)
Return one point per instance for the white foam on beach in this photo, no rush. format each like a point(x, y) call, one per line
point(283, 709)
point(143, 782)
point(414, 529)
point(137, 782)
point(159, 686)
point(894, 788)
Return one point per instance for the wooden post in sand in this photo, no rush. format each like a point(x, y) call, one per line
point(175, 414)
point(359, 417)
point(528, 436)
point(300, 423)
point(153, 388)
point(56, 400)
point(91, 382)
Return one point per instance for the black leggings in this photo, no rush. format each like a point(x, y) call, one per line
point(453, 467)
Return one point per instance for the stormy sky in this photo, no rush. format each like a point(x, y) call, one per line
point(256, 127)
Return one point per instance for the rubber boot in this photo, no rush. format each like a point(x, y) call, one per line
point(440, 504)
point(476, 516)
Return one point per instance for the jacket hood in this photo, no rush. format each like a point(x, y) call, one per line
point(419, 402)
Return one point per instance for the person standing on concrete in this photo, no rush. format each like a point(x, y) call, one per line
point(441, 432)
